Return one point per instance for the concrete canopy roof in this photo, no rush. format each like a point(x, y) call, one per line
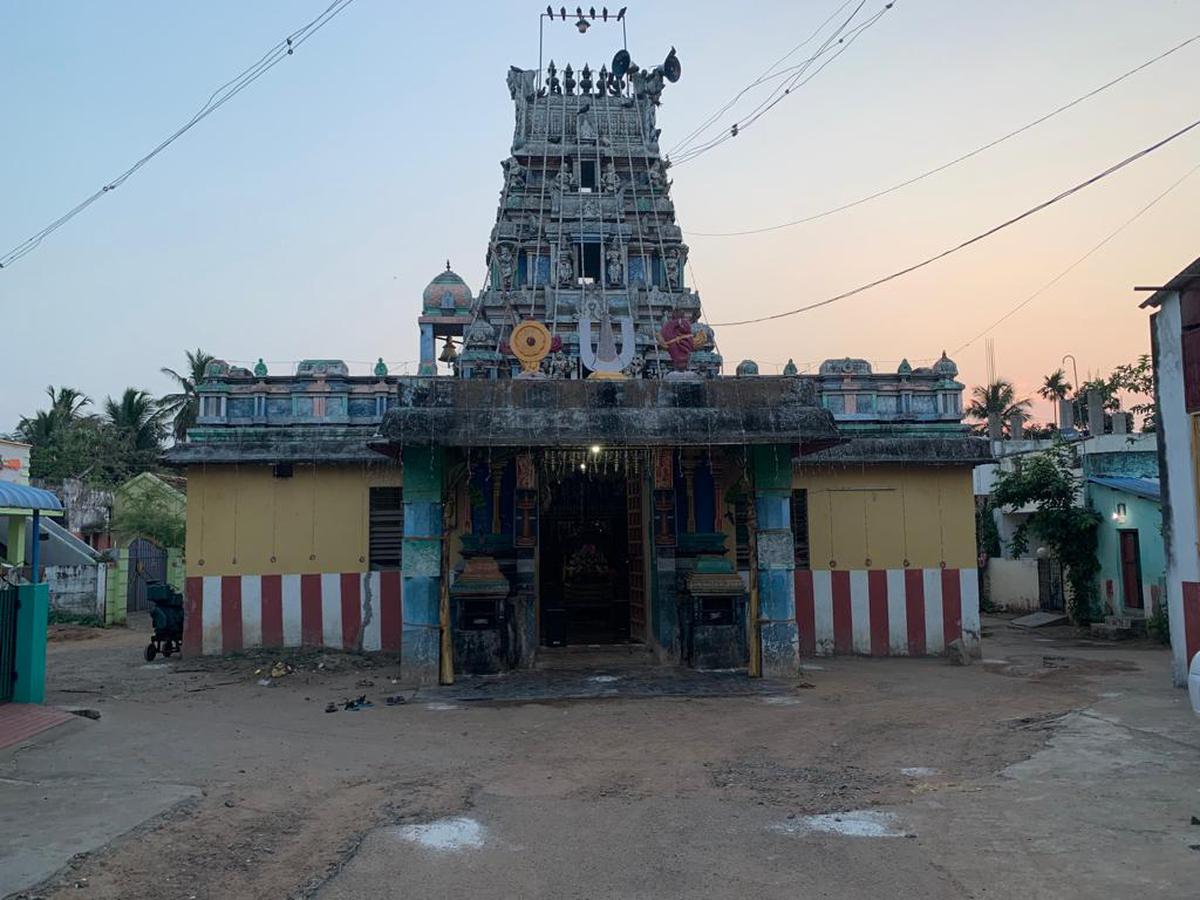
point(1180, 282)
point(24, 497)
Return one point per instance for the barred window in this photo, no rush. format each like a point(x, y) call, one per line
point(386, 539)
point(800, 527)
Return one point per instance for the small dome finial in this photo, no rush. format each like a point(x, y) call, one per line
point(447, 265)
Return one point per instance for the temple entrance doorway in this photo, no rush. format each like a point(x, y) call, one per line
point(592, 579)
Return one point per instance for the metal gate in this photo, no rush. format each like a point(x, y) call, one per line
point(147, 563)
point(1050, 585)
point(8, 641)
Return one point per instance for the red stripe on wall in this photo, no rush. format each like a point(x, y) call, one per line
point(914, 609)
point(806, 617)
point(351, 611)
point(311, 634)
point(389, 612)
point(877, 598)
point(193, 612)
point(231, 613)
point(951, 605)
point(843, 629)
point(272, 611)
point(1191, 621)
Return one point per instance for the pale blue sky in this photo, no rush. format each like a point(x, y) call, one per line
point(305, 217)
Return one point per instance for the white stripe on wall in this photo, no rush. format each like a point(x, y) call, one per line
point(897, 613)
point(823, 611)
point(251, 611)
point(331, 609)
point(372, 633)
point(860, 611)
point(970, 608)
point(210, 615)
point(290, 597)
point(935, 641)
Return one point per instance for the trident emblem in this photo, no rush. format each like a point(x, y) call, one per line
point(603, 359)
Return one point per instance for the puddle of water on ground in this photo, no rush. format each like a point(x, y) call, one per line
point(1112, 695)
point(604, 679)
point(918, 771)
point(811, 668)
point(995, 662)
point(440, 707)
point(445, 835)
point(156, 666)
point(859, 823)
point(782, 701)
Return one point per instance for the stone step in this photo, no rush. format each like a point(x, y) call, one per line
point(595, 656)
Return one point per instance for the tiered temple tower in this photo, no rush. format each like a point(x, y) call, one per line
point(585, 241)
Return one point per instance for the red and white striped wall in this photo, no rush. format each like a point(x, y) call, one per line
point(340, 611)
point(886, 612)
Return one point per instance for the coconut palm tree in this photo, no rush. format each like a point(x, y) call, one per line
point(183, 406)
point(138, 419)
point(1055, 387)
point(66, 407)
point(998, 397)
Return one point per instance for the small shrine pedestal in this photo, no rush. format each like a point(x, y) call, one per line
point(717, 637)
point(480, 626)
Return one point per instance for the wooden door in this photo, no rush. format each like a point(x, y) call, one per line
point(1131, 568)
point(637, 558)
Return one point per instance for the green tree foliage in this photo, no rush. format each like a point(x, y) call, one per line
point(998, 397)
point(1047, 481)
point(149, 514)
point(103, 450)
point(1055, 387)
point(183, 406)
point(1137, 378)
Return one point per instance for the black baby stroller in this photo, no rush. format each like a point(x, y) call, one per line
point(167, 617)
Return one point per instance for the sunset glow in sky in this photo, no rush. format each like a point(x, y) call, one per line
point(305, 218)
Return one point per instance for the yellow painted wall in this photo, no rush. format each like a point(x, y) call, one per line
point(241, 520)
point(879, 516)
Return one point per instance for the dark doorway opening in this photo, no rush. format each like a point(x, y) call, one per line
point(1131, 568)
point(585, 562)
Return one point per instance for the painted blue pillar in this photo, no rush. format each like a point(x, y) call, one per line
point(421, 567)
point(779, 636)
point(428, 351)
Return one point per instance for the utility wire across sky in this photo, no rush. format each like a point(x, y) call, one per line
point(1046, 204)
point(1073, 266)
point(946, 165)
point(216, 100)
point(844, 39)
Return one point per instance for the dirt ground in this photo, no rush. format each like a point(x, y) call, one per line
point(1056, 767)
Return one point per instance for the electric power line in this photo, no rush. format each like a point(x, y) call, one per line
point(766, 75)
point(974, 240)
point(216, 100)
point(1065, 272)
point(944, 166)
point(844, 41)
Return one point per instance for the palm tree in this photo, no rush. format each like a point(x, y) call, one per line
point(66, 407)
point(1055, 387)
point(136, 417)
point(998, 397)
point(183, 406)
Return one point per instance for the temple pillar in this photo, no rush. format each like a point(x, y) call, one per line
point(665, 610)
point(428, 351)
point(525, 543)
point(777, 634)
point(421, 567)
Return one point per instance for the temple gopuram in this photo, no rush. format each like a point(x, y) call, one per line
point(573, 465)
